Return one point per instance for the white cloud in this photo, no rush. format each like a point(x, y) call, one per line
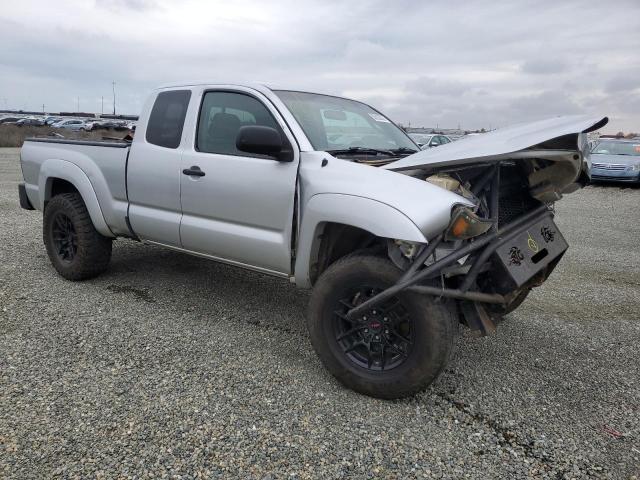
point(477, 64)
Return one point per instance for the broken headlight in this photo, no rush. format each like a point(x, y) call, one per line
point(466, 224)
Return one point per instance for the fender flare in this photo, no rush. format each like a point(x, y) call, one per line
point(62, 169)
point(378, 218)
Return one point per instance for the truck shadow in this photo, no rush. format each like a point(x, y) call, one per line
point(209, 290)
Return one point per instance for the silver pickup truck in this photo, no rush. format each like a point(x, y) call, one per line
point(399, 245)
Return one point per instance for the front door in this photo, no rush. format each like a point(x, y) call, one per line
point(237, 207)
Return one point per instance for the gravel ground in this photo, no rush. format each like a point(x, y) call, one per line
point(173, 366)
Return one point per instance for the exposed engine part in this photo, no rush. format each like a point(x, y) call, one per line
point(408, 249)
point(443, 180)
point(547, 184)
point(402, 252)
point(446, 181)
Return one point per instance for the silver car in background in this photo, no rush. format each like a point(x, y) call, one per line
point(615, 161)
point(72, 124)
point(429, 140)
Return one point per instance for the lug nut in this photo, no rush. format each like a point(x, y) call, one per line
point(366, 330)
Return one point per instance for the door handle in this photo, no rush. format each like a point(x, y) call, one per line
point(194, 171)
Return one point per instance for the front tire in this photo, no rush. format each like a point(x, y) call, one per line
point(396, 349)
point(75, 248)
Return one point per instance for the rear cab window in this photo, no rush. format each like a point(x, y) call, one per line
point(166, 120)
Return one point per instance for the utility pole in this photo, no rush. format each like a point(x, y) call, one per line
point(78, 110)
point(43, 108)
point(114, 98)
point(102, 108)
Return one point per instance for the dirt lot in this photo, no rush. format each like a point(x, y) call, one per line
point(178, 367)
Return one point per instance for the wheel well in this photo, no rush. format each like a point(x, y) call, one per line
point(58, 186)
point(338, 240)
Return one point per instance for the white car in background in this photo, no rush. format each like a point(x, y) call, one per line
point(73, 124)
point(429, 140)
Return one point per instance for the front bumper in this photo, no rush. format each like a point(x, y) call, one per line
point(604, 175)
point(519, 259)
point(538, 220)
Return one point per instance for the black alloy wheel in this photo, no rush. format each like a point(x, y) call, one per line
point(380, 339)
point(391, 351)
point(76, 249)
point(64, 237)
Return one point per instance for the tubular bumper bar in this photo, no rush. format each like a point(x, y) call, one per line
point(489, 241)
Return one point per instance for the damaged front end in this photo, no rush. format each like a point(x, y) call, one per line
point(494, 252)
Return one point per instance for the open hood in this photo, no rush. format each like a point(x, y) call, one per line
point(525, 140)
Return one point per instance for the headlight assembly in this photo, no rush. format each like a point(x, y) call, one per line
point(465, 224)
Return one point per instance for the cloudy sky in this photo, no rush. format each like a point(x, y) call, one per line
point(473, 64)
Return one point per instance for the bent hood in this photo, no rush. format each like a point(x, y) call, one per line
point(517, 141)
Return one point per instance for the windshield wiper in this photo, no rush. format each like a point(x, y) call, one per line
point(404, 150)
point(361, 150)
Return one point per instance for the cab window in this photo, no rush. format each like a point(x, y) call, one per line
point(222, 115)
point(167, 118)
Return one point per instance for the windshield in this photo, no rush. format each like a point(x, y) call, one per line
point(333, 123)
point(617, 148)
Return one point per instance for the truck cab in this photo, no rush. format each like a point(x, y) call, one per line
point(191, 187)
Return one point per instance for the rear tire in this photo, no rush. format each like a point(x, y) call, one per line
point(75, 248)
point(396, 349)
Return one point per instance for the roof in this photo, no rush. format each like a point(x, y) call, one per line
point(201, 83)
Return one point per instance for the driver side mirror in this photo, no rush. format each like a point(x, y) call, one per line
point(263, 140)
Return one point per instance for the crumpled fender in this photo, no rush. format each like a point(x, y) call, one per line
point(373, 216)
point(56, 168)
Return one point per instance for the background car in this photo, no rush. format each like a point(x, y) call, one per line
point(429, 140)
point(71, 124)
point(50, 120)
point(32, 122)
point(109, 125)
point(10, 119)
point(615, 161)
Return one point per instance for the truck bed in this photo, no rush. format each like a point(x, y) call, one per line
point(70, 141)
point(99, 165)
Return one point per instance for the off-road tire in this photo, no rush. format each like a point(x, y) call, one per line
point(435, 330)
point(93, 250)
